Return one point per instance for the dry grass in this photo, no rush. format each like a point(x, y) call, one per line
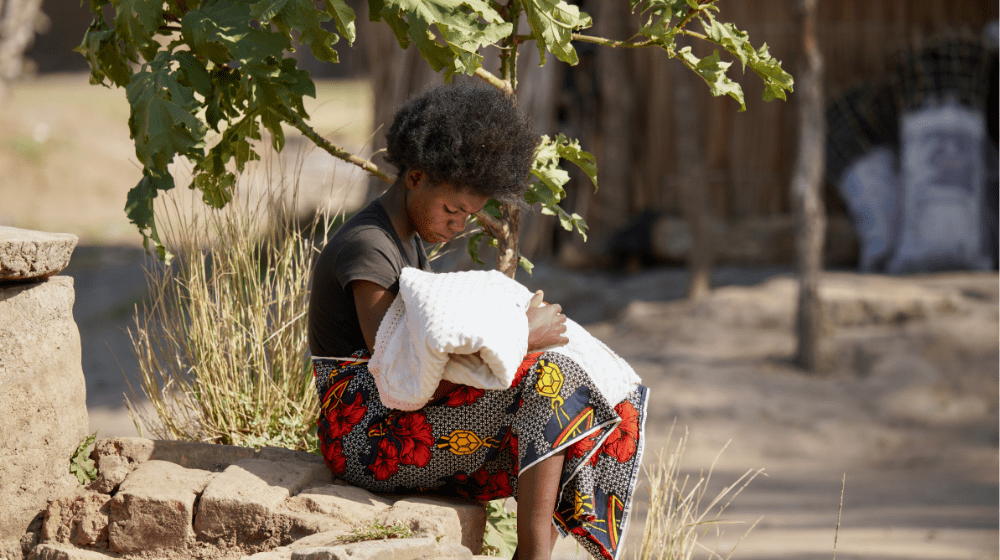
point(678, 520)
point(221, 343)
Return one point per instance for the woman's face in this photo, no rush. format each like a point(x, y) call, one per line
point(438, 212)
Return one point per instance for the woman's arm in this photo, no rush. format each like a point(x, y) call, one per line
point(372, 302)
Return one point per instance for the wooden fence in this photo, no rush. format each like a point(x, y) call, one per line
point(620, 104)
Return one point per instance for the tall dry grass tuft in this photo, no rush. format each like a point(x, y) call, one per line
point(678, 520)
point(221, 341)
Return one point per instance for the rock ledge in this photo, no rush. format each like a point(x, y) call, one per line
point(31, 255)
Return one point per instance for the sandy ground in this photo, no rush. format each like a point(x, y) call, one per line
point(905, 408)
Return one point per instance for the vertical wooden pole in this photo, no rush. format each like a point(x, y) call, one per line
point(806, 182)
point(689, 143)
point(508, 254)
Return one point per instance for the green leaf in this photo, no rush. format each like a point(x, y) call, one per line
point(302, 17)
point(473, 246)
point(737, 42)
point(729, 37)
point(492, 208)
point(162, 121)
point(265, 10)
point(659, 26)
point(212, 29)
point(139, 206)
point(80, 464)
point(713, 71)
point(501, 529)
point(192, 73)
point(553, 23)
point(776, 80)
point(136, 22)
point(100, 47)
point(572, 221)
point(570, 149)
point(526, 265)
point(448, 33)
point(216, 188)
point(343, 16)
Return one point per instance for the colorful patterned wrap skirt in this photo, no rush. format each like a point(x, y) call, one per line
point(473, 443)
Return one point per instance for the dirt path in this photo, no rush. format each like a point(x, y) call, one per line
point(907, 409)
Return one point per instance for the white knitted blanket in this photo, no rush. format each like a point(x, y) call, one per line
point(471, 328)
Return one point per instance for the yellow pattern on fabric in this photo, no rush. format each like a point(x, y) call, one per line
point(550, 382)
point(464, 442)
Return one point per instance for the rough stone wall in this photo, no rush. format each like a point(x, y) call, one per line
point(43, 412)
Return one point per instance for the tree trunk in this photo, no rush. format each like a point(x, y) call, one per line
point(17, 31)
point(806, 182)
point(507, 255)
point(689, 142)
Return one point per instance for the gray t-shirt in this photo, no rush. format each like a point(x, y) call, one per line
point(366, 247)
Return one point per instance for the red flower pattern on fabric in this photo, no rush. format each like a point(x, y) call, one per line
point(335, 459)
point(522, 370)
point(464, 395)
point(416, 437)
point(624, 440)
point(492, 486)
point(515, 460)
point(343, 418)
point(386, 461)
point(582, 447)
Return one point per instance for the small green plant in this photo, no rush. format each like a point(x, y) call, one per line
point(81, 464)
point(500, 537)
point(377, 530)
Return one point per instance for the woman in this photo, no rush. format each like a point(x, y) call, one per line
point(544, 439)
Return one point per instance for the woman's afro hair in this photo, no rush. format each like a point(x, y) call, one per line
point(469, 136)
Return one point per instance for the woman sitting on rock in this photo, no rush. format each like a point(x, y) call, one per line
point(551, 439)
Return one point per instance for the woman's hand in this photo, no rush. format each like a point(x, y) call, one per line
point(546, 324)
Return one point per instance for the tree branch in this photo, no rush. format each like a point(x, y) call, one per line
point(493, 225)
point(336, 152)
point(494, 81)
point(697, 35)
point(690, 15)
point(611, 42)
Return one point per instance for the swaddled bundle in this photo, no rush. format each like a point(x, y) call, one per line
point(471, 328)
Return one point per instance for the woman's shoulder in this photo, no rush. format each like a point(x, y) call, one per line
point(369, 225)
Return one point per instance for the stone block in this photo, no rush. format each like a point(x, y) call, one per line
point(280, 454)
point(416, 548)
point(116, 458)
point(454, 520)
point(347, 504)
point(26, 254)
point(197, 455)
point(54, 551)
point(240, 504)
point(280, 553)
point(81, 520)
point(154, 507)
point(44, 406)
